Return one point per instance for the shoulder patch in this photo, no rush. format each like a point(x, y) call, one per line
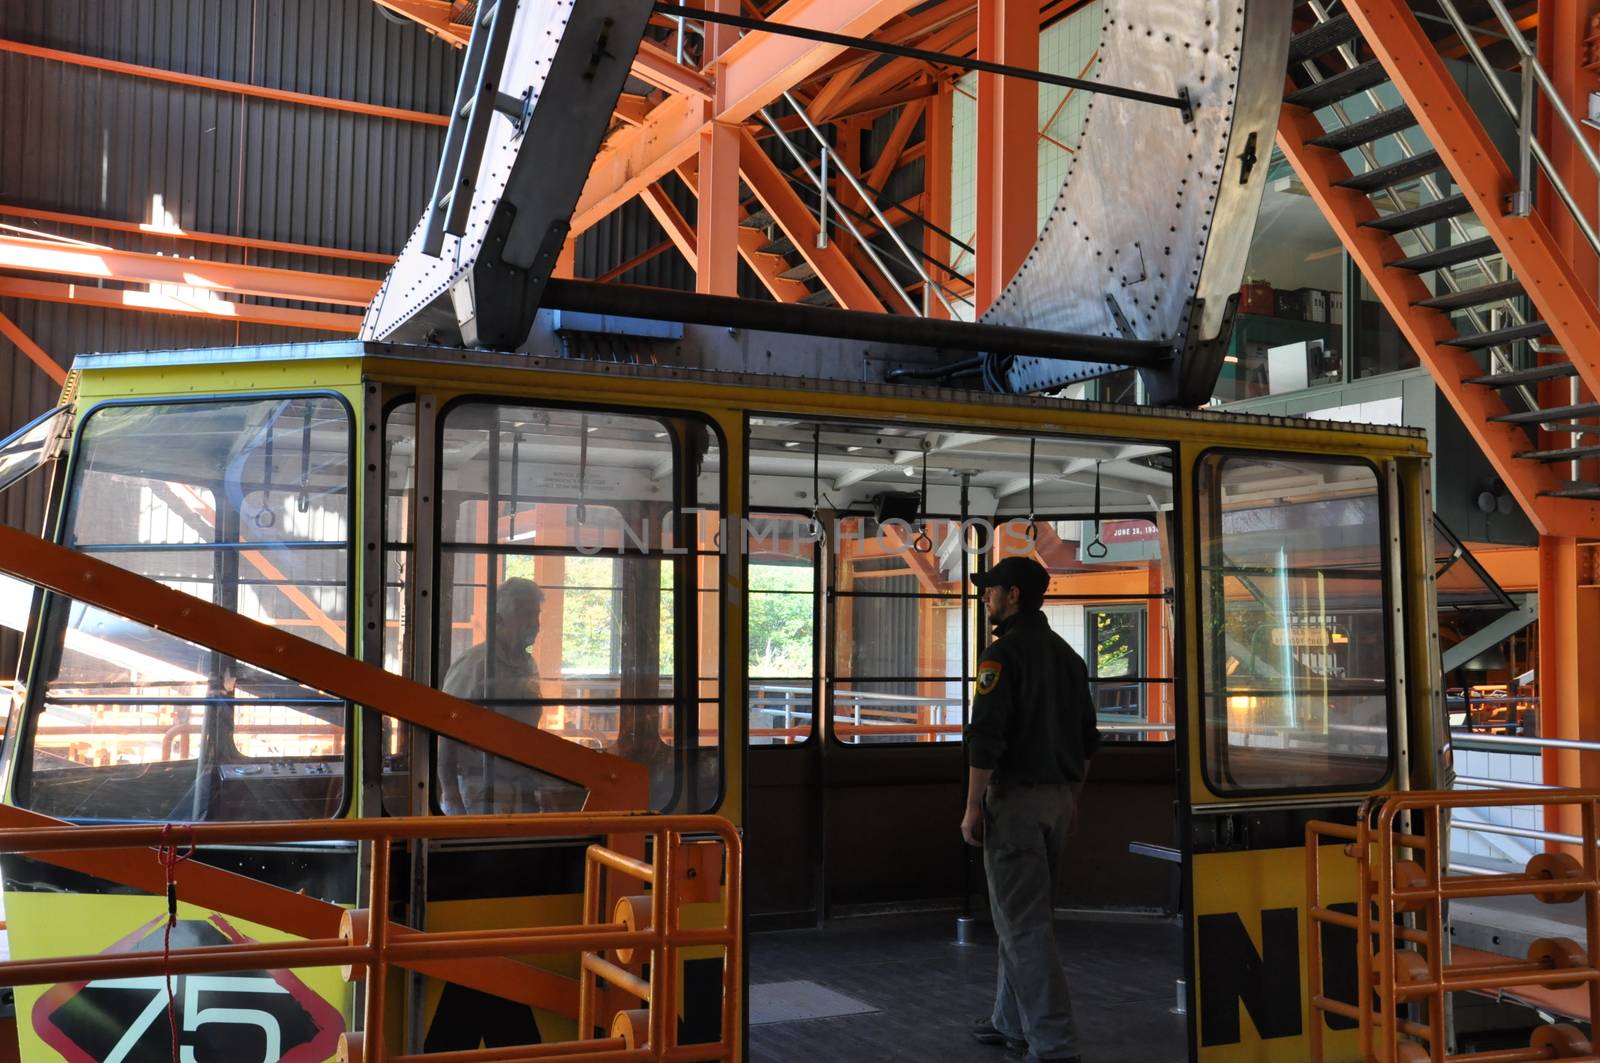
point(988, 676)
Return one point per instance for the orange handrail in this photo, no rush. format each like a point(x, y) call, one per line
point(1402, 871)
point(370, 943)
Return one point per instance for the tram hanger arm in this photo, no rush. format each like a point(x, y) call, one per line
point(613, 783)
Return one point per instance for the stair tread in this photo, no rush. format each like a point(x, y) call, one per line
point(1440, 257)
point(758, 219)
point(1366, 131)
point(819, 298)
point(1477, 341)
point(802, 272)
point(1394, 173)
point(1401, 220)
point(1562, 454)
point(1484, 293)
point(1550, 415)
point(1339, 86)
point(1590, 491)
point(1525, 376)
point(1322, 37)
point(781, 246)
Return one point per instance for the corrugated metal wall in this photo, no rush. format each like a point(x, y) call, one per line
point(86, 142)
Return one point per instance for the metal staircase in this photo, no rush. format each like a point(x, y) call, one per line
point(1415, 184)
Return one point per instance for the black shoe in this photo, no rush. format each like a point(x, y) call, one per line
point(984, 1032)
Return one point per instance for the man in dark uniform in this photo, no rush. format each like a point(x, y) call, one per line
point(1028, 748)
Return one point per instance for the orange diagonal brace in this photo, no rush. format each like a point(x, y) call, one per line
point(1427, 330)
point(780, 200)
point(671, 219)
point(294, 913)
point(613, 783)
point(889, 160)
point(1399, 42)
point(32, 351)
point(214, 307)
point(766, 267)
point(80, 260)
point(754, 71)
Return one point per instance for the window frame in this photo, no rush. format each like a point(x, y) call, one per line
point(50, 602)
point(819, 609)
point(1389, 577)
point(686, 684)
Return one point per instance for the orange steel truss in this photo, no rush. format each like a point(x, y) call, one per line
point(368, 944)
point(1403, 883)
point(1427, 330)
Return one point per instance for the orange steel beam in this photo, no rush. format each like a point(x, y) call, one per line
point(893, 73)
point(1008, 159)
point(1561, 50)
point(616, 272)
point(32, 351)
point(613, 782)
point(766, 267)
point(237, 88)
point(654, 65)
point(773, 191)
point(672, 221)
point(1555, 286)
point(218, 309)
point(753, 72)
point(83, 260)
point(717, 224)
point(160, 232)
point(632, 109)
point(895, 146)
point(435, 16)
point(1428, 330)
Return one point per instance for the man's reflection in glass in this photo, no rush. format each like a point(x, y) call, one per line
point(499, 673)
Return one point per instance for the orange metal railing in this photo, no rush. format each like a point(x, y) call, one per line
point(643, 929)
point(1403, 972)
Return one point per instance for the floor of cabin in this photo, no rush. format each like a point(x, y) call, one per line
point(926, 990)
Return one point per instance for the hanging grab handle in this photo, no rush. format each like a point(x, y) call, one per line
point(1096, 549)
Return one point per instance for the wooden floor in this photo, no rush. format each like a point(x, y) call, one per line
point(928, 990)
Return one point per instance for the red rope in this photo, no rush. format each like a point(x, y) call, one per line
point(171, 856)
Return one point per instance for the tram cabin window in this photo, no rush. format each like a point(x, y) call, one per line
point(244, 504)
point(580, 584)
point(904, 515)
point(1295, 594)
point(781, 573)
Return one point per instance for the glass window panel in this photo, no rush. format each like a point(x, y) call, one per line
point(781, 623)
point(244, 504)
point(31, 445)
point(908, 513)
point(1296, 655)
point(571, 565)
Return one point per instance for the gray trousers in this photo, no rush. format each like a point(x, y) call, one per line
point(1024, 829)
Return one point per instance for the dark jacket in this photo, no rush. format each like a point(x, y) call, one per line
point(1033, 720)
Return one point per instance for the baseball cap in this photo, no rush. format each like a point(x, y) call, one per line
point(1023, 573)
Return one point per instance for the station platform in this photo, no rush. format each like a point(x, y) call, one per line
point(912, 992)
point(1507, 926)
